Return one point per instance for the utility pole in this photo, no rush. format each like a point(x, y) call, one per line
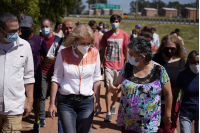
point(197, 7)
point(136, 9)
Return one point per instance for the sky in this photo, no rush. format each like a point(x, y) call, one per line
point(126, 7)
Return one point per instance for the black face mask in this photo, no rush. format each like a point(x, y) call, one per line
point(25, 34)
point(169, 54)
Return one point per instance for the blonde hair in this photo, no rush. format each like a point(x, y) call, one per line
point(179, 52)
point(81, 31)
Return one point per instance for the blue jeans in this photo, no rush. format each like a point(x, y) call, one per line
point(75, 116)
point(186, 123)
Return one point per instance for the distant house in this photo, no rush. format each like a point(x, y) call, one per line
point(165, 11)
point(149, 12)
point(189, 12)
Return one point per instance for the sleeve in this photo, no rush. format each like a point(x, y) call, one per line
point(103, 42)
point(122, 72)
point(51, 52)
point(157, 42)
point(179, 82)
point(97, 72)
point(44, 50)
point(164, 78)
point(58, 69)
point(29, 67)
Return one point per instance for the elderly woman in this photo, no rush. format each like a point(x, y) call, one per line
point(77, 70)
point(143, 81)
point(171, 56)
point(188, 82)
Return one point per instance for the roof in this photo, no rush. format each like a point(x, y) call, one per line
point(172, 9)
point(190, 8)
point(151, 9)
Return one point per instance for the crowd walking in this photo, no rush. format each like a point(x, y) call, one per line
point(155, 85)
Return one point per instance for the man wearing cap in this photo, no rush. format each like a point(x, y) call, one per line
point(46, 29)
point(39, 48)
point(16, 75)
point(155, 41)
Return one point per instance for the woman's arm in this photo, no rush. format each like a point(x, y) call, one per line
point(168, 103)
point(175, 96)
point(97, 87)
point(117, 83)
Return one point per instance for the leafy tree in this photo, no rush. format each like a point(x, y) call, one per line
point(132, 6)
point(79, 7)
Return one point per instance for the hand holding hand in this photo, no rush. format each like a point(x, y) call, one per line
point(112, 88)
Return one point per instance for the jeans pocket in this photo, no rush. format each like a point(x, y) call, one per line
point(91, 98)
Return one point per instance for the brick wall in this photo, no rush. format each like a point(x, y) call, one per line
point(112, 11)
point(167, 13)
point(151, 13)
point(105, 11)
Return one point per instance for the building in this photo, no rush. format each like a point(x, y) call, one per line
point(114, 11)
point(165, 11)
point(105, 12)
point(91, 12)
point(149, 12)
point(189, 12)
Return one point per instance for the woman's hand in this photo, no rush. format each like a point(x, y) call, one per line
point(51, 111)
point(112, 88)
point(166, 120)
point(97, 109)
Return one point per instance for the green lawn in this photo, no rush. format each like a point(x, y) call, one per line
point(189, 33)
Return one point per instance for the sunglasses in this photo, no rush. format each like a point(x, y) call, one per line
point(170, 48)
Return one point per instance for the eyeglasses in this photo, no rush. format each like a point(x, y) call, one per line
point(13, 32)
point(170, 48)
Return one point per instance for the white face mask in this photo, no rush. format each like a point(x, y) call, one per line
point(134, 35)
point(132, 61)
point(101, 27)
point(83, 48)
point(194, 68)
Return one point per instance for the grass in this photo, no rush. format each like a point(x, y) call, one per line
point(189, 33)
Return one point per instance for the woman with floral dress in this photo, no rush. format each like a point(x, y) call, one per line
point(142, 81)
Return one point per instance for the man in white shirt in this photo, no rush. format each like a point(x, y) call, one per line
point(16, 75)
point(156, 41)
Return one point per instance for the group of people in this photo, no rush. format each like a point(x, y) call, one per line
point(157, 87)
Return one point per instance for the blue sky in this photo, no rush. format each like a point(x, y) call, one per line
point(126, 7)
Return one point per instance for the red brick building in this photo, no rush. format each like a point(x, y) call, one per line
point(165, 11)
point(105, 12)
point(113, 11)
point(189, 12)
point(149, 12)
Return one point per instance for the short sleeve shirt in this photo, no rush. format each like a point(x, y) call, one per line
point(115, 45)
point(140, 102)
point(190, 85)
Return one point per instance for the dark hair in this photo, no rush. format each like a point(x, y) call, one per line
point(91, 23)
point(98, 28)
point(19, 16)
point(106, 25)
point(115, 17)
point(173, 32)
point(142, 46)
point(179, 47)
point(190, 56)
point(177, 30)
point(100, 23)
point(146, 32)
point(51, 23)
point(7, 17)
point(57, 23)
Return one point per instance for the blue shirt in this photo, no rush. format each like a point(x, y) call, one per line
point(190, 85)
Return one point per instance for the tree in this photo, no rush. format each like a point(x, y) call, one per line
point(132, 6)
point(79, 7)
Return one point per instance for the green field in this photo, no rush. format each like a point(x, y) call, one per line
point(189, 33)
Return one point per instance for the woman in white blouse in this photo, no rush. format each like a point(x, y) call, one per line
point(77, 71)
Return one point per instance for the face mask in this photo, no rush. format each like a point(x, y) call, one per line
point(12, 38)
point(134, 36)
point(169, 54)
point(115, 25)
point(194, 68)
point(101, 27)
point(83, 49)
point(25, 34)
point(46, 31)
point(105, 30)
point(132, 61)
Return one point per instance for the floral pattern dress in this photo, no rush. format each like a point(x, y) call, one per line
point(140, 102)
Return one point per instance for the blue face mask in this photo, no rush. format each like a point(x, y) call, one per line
point(105, 30)
point(132, 61)
point(12, 38)
point(46, 31)
point(134, 36)
point(115, 25)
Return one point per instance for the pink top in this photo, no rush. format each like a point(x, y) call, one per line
point(96, 40)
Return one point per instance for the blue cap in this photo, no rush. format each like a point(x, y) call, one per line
point(138, 26)
point(26, 21)
point(152, 27)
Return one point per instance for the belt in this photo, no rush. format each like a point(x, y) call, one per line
point(78, 98)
